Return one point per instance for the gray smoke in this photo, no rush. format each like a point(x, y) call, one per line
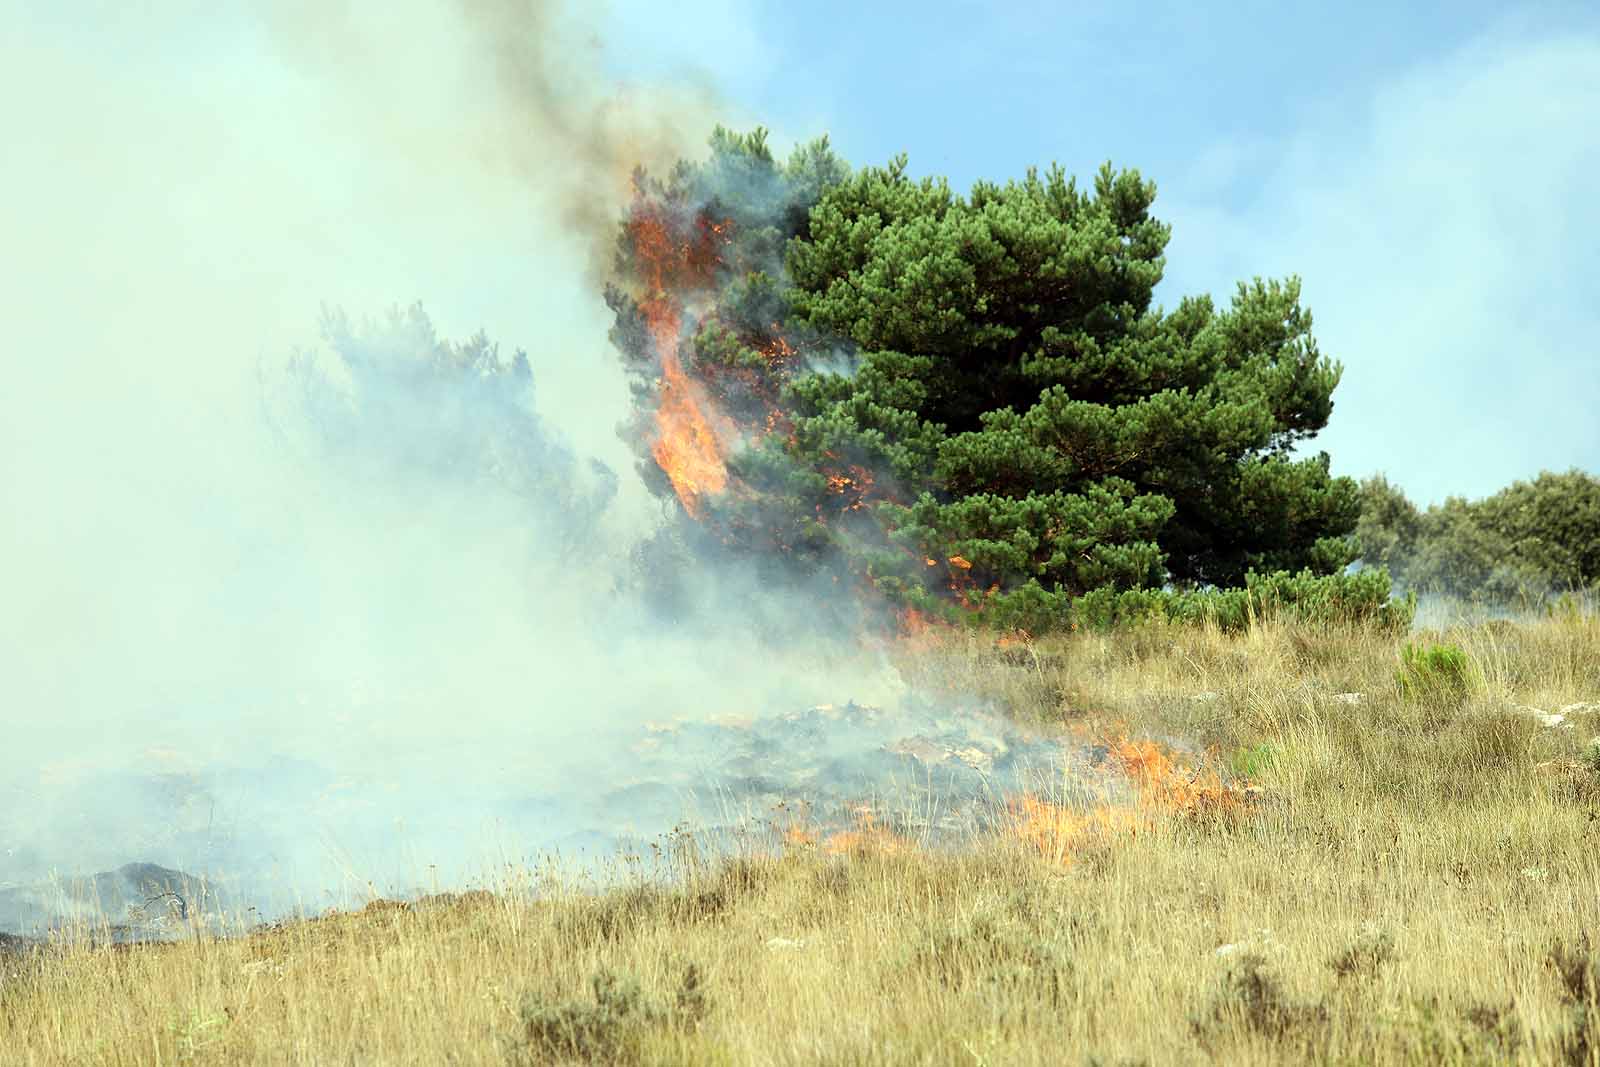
point(310, 605)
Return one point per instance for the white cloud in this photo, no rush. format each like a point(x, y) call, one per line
point(1446, 237)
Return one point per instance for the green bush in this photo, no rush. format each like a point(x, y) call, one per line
point(1434, 672)
point(1358, 599)
point(1249, 763)
point(607, 1029)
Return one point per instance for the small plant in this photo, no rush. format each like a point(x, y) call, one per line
point(1251, 996)
point(1497, 1023)
point(1434, 673)
point(1590, 757)
point(609, 1028)
point(1579, 973)
point(1248, 763)
point(991, 956)
point(1365, 956)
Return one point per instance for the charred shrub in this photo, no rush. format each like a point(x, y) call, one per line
point(610, 1027)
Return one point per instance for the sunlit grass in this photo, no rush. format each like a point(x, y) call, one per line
point(1412, 880)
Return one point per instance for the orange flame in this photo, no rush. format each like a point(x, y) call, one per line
point(687, 448)
point(1056, 832)
point(864, 839)
point(1165, 788)
point(689, 445)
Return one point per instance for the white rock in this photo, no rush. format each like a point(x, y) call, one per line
point(784, 942)
point(1349, 698)
point(1546, 717)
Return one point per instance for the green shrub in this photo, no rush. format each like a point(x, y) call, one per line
point(607, 1029)
point(1248, 763)
point(1434, 672)
point(1361, 598)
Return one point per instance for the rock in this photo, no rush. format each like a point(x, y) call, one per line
point(1545, 717)
point(137, 901)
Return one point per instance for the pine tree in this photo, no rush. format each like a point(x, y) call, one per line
point(963, 398)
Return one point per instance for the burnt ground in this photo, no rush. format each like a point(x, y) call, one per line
point(935, 775)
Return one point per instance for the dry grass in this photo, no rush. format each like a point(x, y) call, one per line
point(1414, 885)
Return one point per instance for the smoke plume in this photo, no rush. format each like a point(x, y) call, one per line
point(315, 602)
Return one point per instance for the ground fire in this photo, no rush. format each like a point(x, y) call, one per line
point(857, 779)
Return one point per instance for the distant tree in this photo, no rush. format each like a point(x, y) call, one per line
point(1389, 525)
point(1552, 525)
point(390, 400)
point(1527, 540)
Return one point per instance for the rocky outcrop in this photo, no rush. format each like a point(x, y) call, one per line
point(137, 901)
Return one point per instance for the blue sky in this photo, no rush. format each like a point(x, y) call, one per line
point(1428, 169)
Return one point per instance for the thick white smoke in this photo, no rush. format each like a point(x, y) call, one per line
point(242, 638)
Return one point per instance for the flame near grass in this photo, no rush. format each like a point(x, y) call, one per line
point(1165, 788)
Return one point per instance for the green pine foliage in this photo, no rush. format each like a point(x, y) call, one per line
point(972, 403)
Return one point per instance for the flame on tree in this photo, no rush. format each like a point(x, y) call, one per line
point(969, 404)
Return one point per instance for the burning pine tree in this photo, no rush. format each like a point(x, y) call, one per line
point(965, 402)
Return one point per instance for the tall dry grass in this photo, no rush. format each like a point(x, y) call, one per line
point(1415, 882)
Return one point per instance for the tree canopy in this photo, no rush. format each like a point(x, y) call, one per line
point(966, 398)
point(1528, 540)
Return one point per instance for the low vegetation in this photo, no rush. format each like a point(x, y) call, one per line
point(1410, 877)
